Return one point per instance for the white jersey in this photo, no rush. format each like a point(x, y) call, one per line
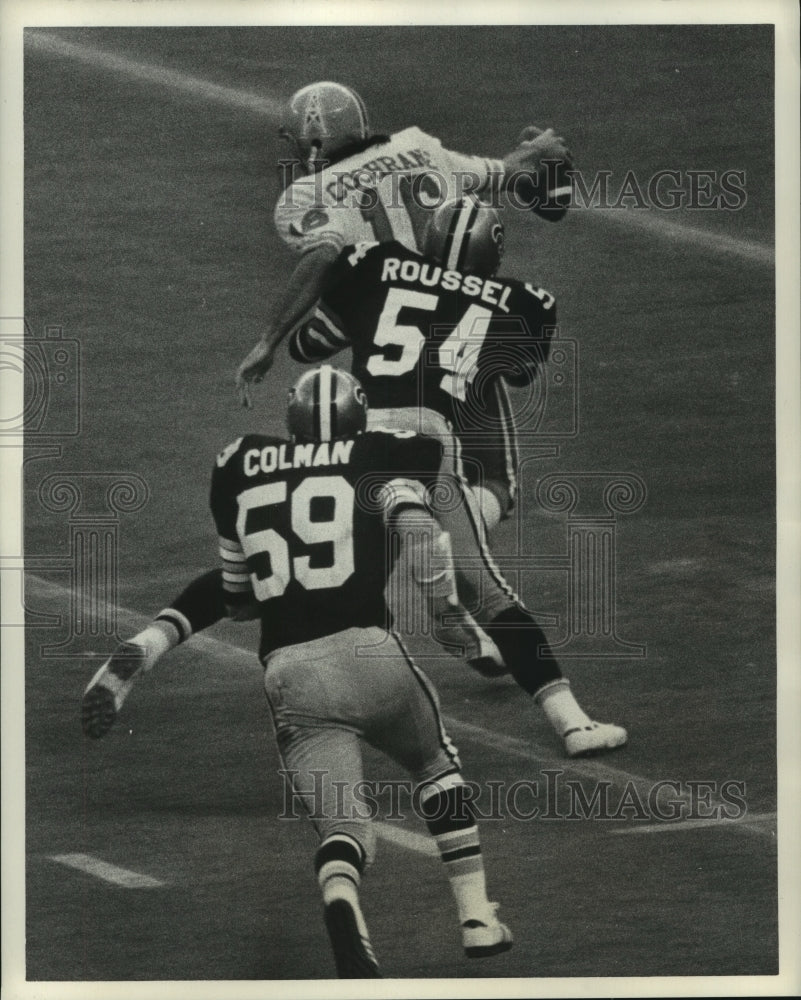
point(386, 192)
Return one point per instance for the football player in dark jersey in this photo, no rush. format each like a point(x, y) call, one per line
point(306, 530)
point(424, 331)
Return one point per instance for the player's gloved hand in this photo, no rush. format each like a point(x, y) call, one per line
point(534, 146)
point(253, 369)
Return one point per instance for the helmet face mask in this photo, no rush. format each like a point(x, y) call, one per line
point(326, 404)
point(323, 118)
point(467, 235)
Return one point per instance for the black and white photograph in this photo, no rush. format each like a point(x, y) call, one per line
point(400, 556)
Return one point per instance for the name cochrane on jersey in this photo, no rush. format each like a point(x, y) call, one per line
point(303, 456)
point(451, 281)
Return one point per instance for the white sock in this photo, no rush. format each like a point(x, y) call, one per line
point(157, 639)
point(340, 880)
point(470, 895)
point(461, 854)
point(490, 507)
point(560, 707)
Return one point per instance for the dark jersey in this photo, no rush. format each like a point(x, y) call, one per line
point(303, 527)
point(425, 335)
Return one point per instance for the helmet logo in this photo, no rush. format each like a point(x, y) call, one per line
point(313, 219)
point(313, 122)
point(497, 236)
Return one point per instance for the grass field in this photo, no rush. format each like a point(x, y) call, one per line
point(148, 237)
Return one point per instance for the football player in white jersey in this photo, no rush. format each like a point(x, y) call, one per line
point(347, 185)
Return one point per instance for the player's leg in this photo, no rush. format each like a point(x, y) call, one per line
point(197, 607)
point(503, 616)
point(422, 593)
point(408, 728)
point(307, 687)
point(491, 459)
point(484, 591)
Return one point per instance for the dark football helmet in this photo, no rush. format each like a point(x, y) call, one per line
point(326, 404)
point(465, 234)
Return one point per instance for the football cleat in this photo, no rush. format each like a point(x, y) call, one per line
point(595, 738)
point(98, 711)
point(326, 404)
point(108, 689)
point(466, 235)
point(353, 953)
point(485, 937)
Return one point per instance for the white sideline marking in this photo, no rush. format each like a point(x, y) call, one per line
point(147, 73)
point(395, 834)
point(679, 826)
point(652, 222)
point(107, 872)
point(539, 756)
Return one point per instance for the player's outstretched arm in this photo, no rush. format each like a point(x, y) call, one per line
point(534, 148)
point(537, 173)
point(297, 299)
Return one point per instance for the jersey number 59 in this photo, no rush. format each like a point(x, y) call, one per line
point(337, 530)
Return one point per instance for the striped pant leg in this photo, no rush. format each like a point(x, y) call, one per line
point(320, 696)
point(493, 461)
point(482, 586)
point(409, 729)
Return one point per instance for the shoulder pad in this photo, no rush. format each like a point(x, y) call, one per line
point(356, 252)
point(414, 134)
point(226, 453)
point(545, 298)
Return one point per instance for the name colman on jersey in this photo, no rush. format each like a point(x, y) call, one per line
point(495, 293)
point(275, 458)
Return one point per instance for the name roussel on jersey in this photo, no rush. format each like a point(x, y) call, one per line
point(495, 293)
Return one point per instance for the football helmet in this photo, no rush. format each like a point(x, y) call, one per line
point(322, 119)
point(465, 234)
point(326, 404)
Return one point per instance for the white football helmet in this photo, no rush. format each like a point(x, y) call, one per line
point(324, 118)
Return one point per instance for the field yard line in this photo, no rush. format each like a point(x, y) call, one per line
point(107, 872)
point(168, 79)
point(676, 232)
point(541, 757)
point(679, 826)
point(266, 106)
point(532, 751)
point(545, 758)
